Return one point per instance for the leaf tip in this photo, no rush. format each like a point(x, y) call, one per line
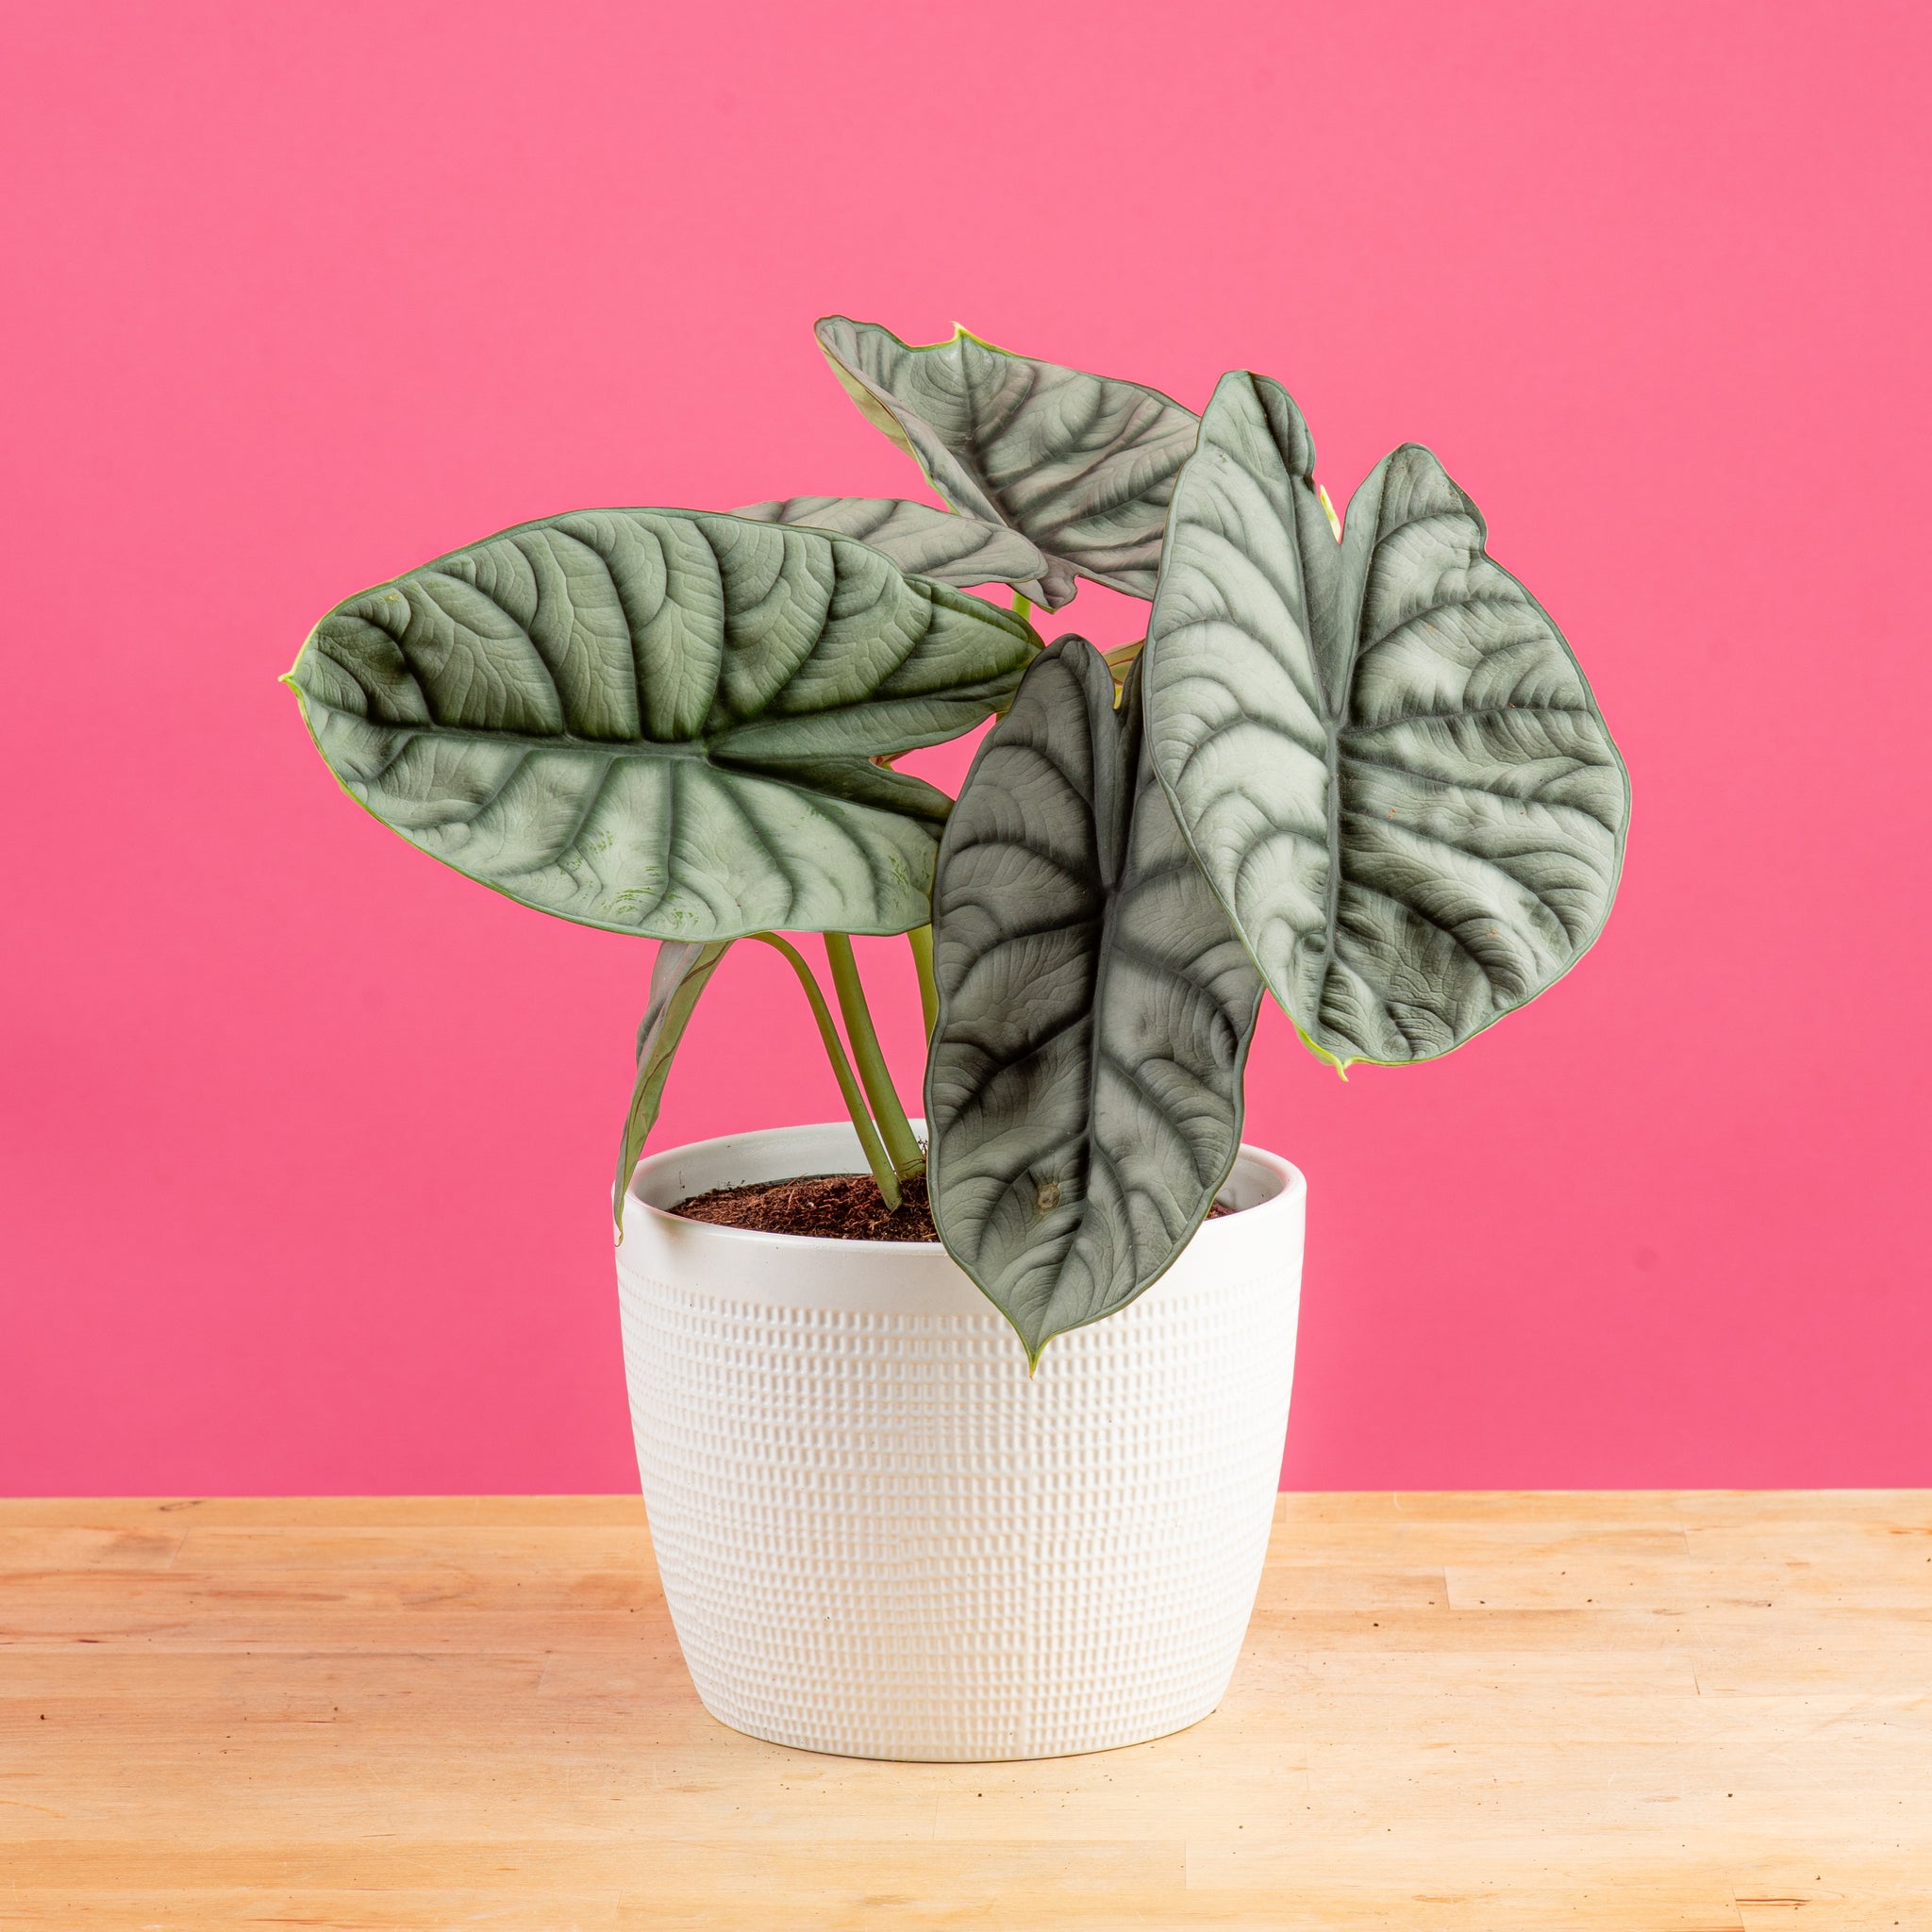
point(1334, 521)
point(1326, 1055)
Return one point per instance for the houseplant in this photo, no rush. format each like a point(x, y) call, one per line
point(1352, 764)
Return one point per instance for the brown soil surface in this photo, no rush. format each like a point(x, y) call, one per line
point(833, 1206)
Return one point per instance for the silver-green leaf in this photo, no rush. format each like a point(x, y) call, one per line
point(678, 976)
point(1083, 465)
point(661, 722)
point(1381, 750)
point(942, 545)
point(1084, 1088)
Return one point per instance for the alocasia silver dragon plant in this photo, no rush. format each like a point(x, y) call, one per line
point(1353, 764)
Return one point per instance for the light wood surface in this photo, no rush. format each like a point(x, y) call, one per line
point(1657, 1711)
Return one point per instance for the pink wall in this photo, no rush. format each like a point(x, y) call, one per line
point(306, 1139)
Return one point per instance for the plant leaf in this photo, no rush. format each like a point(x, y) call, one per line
point(939, 544)
point(661, 722)
point(1083, 465)
point(678, 976)
point(1084, 1090)
point(1382, 751)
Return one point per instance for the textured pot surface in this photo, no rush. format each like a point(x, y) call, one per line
point(878, 1536)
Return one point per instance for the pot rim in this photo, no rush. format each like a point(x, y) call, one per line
point(1288, 1191)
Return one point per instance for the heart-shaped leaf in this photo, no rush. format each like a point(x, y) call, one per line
point(678, 976)
point(1381, 750)
point(936, 544)
point(1083, 465)
point(1083, 1091)
point(662, 722)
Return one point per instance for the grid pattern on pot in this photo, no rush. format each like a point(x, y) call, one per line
point(878, 1536)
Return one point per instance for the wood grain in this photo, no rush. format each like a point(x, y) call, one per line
point(1456, 1713)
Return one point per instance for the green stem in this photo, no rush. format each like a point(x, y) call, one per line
point(920, 939)
point(1023, 607)
point(875, 1157)
point(908, 1158)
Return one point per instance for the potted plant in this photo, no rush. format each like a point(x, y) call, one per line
point(1352, 764)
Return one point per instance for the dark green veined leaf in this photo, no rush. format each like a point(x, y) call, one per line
point(941, 546)
point(678, 976)
point(661, 722)
point(1083, 465)
point(1084, 1090)
point(1381, 750)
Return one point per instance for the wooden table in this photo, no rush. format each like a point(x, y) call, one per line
point(1454, 1711)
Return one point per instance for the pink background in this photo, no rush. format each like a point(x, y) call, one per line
point(306, 1139)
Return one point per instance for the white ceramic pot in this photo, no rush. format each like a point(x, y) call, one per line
point(878, 1536)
